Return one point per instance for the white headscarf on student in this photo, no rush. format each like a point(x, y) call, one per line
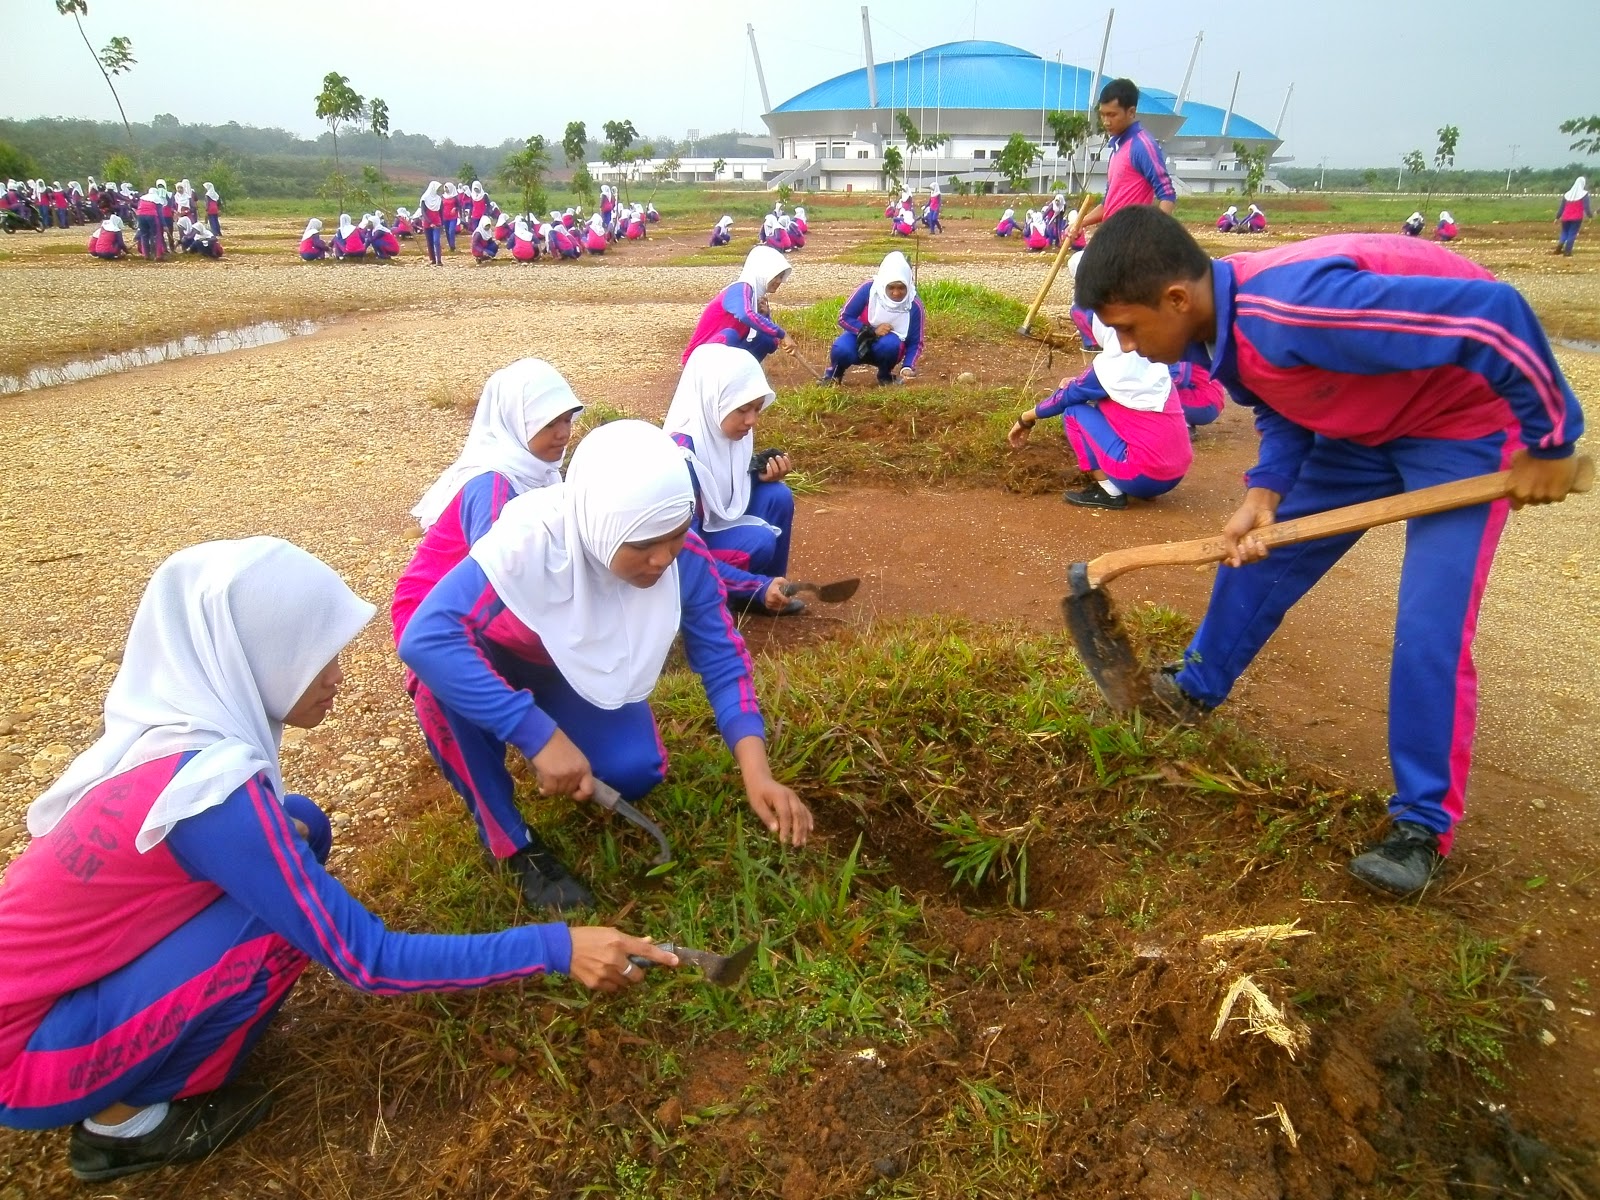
point(346, 226)
point(112, 224)
point(226, 639)
point(769, 225)
point(477, 189)
point(211, 191)
point(1578, 190)
point(597, 223)
point(881, 310)
point(1010, 214)
point(522, 231)
point(485, 226)
point(549, 559)
point(1233, 211)
point(716, 380)
point(761, 266)
point(725, 223)
point(516, 403)
point(313, 227)
point(1129, 379)
point(1416, 216)
point(431, 200)
point(1445, 218)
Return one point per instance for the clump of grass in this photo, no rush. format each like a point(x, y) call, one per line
point(954, 310)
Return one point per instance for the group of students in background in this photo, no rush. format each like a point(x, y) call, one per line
point(903, 217)
point(165, 221)
point(447, 211)
point(1446, 230)
point(1254, 221)
point(1044, 228)
point(781, 231)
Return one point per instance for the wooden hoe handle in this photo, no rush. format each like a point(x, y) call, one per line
point(1462, 493)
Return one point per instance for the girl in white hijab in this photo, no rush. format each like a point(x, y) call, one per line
point(883, 325)
point(1576, 206)
point(1228, 219)
point(746, 517)
point(348, 242)
point(551, 635)
point(1007, 223)
point(525, 244)
point(431, 209)
point(174, 885)
point(740, 315)
point(312, 247)
point(484, 247)
point(722, 231)
point(1413, 225)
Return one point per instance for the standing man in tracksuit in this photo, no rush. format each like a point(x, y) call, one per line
point(1136, 174)
point(1375, 366)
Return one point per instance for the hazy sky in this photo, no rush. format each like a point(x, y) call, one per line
point(1371, 80)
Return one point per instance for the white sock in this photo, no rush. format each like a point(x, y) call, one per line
point(1111, 488)
point(141, 1123)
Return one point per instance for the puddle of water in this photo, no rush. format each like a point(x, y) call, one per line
point(1578, 344)
point(261, 334)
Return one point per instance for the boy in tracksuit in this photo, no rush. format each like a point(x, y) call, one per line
point(1136, 172)
point(1375, 365)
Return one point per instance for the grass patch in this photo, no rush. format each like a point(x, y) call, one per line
point(889, 1040)
point(956, 309)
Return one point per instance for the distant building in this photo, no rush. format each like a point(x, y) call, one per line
point(689, 170)
point(832, 137)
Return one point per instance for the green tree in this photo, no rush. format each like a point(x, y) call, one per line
point(909, 131)
point(1444, 155)
point(1070, 130)
point(14, 164)
point(1369, 177)
point(1016, 161)
point(619, 136)
point(114, 59)
point(1254, 164)
point(1585, 132)
point(1413, 162)
point(120, 168)
point(573, 141)
point(668, 168)
point(374, 183)
point(467, 171)
point(378, 122)
point(717, 168)
point(525, 171)
point(338, 104)
point(894, 167)
point(583, 185)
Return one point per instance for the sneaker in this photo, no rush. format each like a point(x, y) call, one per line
point(193, 1129)
point(1167, 692)
point(545, 881)
point(1402, 863)
point(1095, 496)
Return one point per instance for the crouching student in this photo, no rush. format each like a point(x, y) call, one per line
point(385, 245)
point(650, 214)
point(1447, 230)
point(635, 229)
point(1413, 225)
point(745, 518)
point(403, 226)
point(1254, 221)
point(1035, 237)
point(524, 245)
point(801, 225)
point(562, 243)
point(350, 243)
point(1125, 424)
point(517, 646)
point(1007, 225)
point(594, 235)
point(1229, 219)
point(173, 891)
point(107, 241)
point(740, 315)
point(1201, 397)
point(203, 242)
point(505, 228)
point(722, 232)
point(1455, 380)
point(312, 247)
point(484, 247)
point(883, 324)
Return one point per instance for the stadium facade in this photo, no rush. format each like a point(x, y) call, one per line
point(832, 137)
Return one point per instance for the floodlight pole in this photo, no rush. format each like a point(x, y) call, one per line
point(1277, 130)
point(872, 70)
point(1228, 119)
point(1183, 92)
point(761, 78)
point(1099, 71)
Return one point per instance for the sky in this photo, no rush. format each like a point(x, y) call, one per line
point(1371, 80)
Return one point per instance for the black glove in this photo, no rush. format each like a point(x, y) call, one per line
point(760, 459)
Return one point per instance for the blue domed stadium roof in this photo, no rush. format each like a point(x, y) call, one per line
point(993, 75)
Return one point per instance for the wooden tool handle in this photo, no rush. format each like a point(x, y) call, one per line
point(1462, 493)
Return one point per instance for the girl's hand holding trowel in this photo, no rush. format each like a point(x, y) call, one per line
point(600, 957)
point(563, 769)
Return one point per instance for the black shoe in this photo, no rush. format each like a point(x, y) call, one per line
point(1170, 696)
point(545, 882)
point(193, 1129)
point(1401, 864)
point(1095, 496)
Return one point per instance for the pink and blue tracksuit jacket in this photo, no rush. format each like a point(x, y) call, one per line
point(447, 541)
point(734, 320)
point(1146, 454)
point(1377, 365)
point(883, 352)
point(487, 682)
point(748, 557)
point(1137, 171)
point(138, 978)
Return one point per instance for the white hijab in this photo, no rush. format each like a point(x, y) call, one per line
point(1233, 211)
point(800, 213)
point(1445, 218)
point(716, 380)
point(313, 227)
point(346, 226)
point(549, 559)
point(1010, 214)
point(477, 189)
point(431, 199)
point(227, 637)
point(1578, 190)
point(1416, 216)
point(516, 403)
point(485, 226)
point(769, 226)
point(761, 266)
point(725, 223)
point(112, 224)
point(1129, 379)
point(881, 310)
point(597, 224)
point(521, 231)
point(211, 191)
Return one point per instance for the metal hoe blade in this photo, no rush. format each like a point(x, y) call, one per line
point(836, 592)
point(1102, 642)
point(722, 970)
point(607, 797)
